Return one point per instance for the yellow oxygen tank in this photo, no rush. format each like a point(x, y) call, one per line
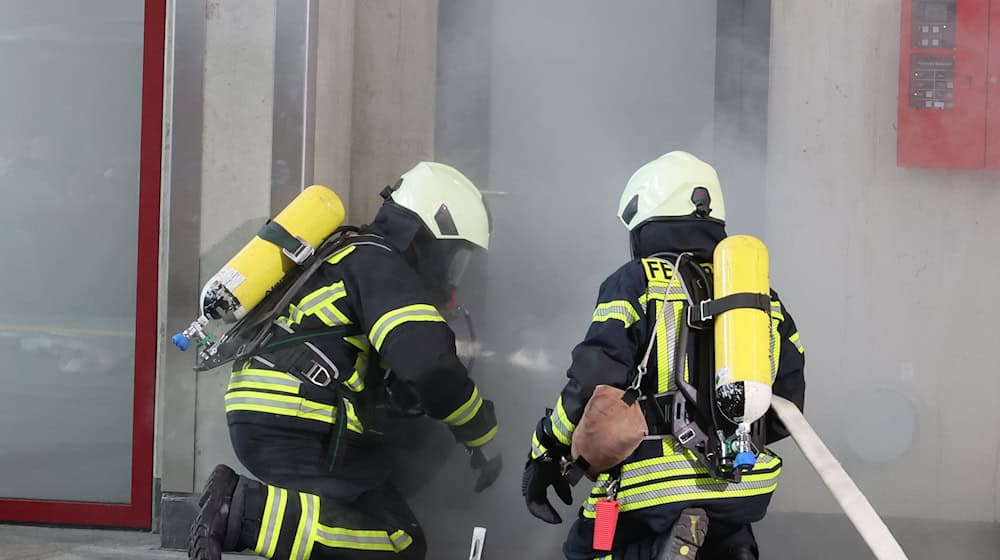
point(742, 338)
point(261, 264)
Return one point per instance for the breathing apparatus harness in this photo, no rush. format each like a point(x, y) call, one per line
point(690, 413)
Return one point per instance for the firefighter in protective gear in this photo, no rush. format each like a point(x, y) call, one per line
point(671, 205)
point(313, 415)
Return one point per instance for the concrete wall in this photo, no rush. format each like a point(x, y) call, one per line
point(885, 270)
point(375, 96)
point(372, 124)
point(236, 173)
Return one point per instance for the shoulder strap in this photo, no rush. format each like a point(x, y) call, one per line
point(675, 279)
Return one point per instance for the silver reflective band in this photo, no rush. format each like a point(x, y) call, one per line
point(269, 535)
point(293, 407)
point(309, 505)
point(250, 378)
point(345, 538)
point(334, 292)
point(389, 320)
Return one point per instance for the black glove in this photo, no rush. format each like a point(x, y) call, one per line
point(539, 474)
point(489, 462)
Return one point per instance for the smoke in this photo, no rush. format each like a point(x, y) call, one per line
point(554, 104)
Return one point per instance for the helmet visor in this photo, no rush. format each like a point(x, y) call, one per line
point(459, 264)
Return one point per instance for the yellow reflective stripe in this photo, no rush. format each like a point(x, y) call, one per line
point(264, 379)
point(320, 303)
point(692, 488)
point(688, 490)
point(463, 414)
point(323, 296)
point(339, 255)
point(619, 309)
point(354, 539)
point(355, 382)
point(358, 341)
point(666, 346)
point(270, 374)
point(775, 344)
point(776, 311)
point(270, 523)
point(676, 465)
point(562, 428)
point(537, 449)
point(332, 317)
point(664, 369)
point(353, 422)
point(695, 494)
point(411, 313)
point(285, 405)
point(295, 315)
point(708, 486)
point(305, 535)
point(400, 540)
point(291, 390)
point(481, 441)
point(658, 296)
point(266, 537)
point(669, 457)
point(282, 505)
point(796, 340)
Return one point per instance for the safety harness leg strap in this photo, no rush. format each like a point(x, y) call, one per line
point(712, 307)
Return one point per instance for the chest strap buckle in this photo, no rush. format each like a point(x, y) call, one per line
point(318, 375)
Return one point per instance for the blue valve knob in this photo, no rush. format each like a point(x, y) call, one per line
point(744, 459)
point(181, 341)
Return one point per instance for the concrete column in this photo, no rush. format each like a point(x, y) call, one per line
point(176, 385)
point(236, 174)
point(334, 96)
point(393, 111)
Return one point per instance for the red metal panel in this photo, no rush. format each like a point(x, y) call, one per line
point(993, 86)
point(946, 138)
point(137, 513)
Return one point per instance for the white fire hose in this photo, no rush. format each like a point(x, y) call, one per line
point(855, 505)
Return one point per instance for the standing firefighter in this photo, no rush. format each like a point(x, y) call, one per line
point(310, 411)
point(676, 446)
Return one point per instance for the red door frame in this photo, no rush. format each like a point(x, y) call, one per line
point(138, 512)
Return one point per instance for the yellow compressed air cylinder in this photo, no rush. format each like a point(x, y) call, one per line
point(743, 335)
point(312, 216)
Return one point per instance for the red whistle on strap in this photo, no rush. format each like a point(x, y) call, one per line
point(605, 524)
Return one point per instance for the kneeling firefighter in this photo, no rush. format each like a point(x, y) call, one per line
point(667, 403)
point(360, 344)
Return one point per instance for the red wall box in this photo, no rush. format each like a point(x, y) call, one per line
point(138, 512)
point(949, 98)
